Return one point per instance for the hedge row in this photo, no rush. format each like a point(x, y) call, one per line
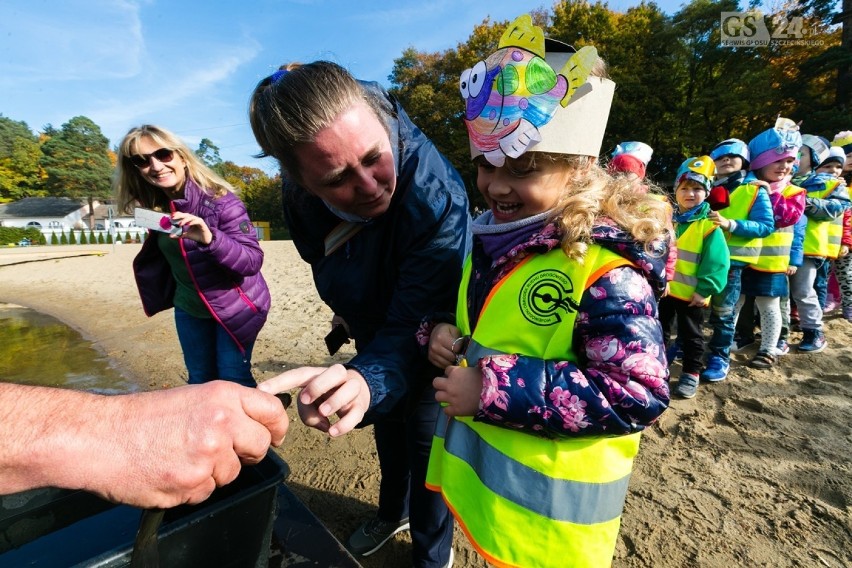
point(12, 235)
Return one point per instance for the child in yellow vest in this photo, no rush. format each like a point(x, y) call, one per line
point(701, 269)
point(774, 151)
point(560, 362)
point(826, 200)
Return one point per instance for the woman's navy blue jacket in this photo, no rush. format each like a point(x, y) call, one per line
point(401, 267)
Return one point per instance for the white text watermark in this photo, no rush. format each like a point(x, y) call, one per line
point(750, 29)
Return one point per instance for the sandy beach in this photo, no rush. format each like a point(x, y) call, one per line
point(754, 471)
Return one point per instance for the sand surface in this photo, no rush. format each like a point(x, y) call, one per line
point(754, 471)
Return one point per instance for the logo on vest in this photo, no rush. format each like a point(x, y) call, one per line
point(544, 295)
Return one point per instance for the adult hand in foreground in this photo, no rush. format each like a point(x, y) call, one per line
point(154, 449)
point(326, 391)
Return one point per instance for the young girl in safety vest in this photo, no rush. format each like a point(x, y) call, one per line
point(560, 361)
point(774, 152)
point(701, 269)
point(826, 200)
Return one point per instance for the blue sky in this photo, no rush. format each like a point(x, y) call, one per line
point(190, 65)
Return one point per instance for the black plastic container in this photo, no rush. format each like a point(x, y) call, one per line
point(49, 528)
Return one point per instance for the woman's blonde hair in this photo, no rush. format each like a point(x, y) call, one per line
point(591, 194)
point(130, 187)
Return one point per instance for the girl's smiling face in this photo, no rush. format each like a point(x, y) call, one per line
point(521, 187)
point(776, 171)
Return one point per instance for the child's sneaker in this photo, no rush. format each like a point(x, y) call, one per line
point(716, 369)
point(687, 385)
point(847, 313)
point(782, 348)
point(813, 341)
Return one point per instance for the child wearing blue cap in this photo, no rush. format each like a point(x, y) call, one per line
point(701, 270)
point(774, 151)
point(731, 158)
point(744, 212)
point(826, 200)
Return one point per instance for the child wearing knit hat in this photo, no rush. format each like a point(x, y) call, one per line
point(844, 140)
point(826, 200)
point(631, 159)
point(744, 213)
point(774, 151)
point(700, 272)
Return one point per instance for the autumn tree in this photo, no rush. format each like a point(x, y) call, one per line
point(19, 161)
point(260, 192)
point(77, 161)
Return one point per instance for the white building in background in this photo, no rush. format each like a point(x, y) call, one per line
point(59, 215)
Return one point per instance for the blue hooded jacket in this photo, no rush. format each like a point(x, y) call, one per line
point(399, 267)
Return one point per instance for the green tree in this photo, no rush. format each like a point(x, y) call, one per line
point(19, 161)
point(77, 161)
point(208, 152)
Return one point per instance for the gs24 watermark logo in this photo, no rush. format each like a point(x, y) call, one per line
point(748, 29)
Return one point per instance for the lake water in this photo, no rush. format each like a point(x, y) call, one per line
point(38, 349)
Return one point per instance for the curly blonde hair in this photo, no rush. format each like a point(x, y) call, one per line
point(130, 187)
point(591, 194)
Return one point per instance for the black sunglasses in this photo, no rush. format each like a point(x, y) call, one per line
point(163, 155)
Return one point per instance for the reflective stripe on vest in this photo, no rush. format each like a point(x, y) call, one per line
point(775, 247)
point(822, 238)
point(525, 500)
point(689, 247)
point(743, 249)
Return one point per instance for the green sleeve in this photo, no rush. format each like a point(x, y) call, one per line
point(714, 266)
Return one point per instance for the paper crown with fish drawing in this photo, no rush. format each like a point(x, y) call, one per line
point(516, 100)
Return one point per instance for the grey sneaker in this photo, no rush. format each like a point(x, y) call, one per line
point(373, 534)
point(687, 385)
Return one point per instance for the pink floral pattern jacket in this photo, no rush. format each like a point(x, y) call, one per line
point(619, 384)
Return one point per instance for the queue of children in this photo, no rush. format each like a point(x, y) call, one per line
point(766, 224)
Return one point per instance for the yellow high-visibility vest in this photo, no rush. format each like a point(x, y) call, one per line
point(743, 249)
point(690, 245)
point(524, 500)
point(775, 247)
point(822, 238)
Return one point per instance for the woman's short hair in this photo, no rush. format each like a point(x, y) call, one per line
point(129, 186)
point(292, 105)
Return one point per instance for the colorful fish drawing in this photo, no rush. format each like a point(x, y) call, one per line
point(514, 92)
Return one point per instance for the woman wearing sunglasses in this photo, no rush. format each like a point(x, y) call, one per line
point(210, 272)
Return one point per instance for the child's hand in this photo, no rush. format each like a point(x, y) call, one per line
point(761, 183)
point(460, 390)
point(844, 250)
point(719, 220)
point(441, 345)
point(698, 301)
point(791, 270)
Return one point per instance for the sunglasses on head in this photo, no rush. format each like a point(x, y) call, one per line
point(163, 155)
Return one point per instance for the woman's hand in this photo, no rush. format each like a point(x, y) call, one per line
point(325, 392)
point(194, 228)
point(441, 341)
